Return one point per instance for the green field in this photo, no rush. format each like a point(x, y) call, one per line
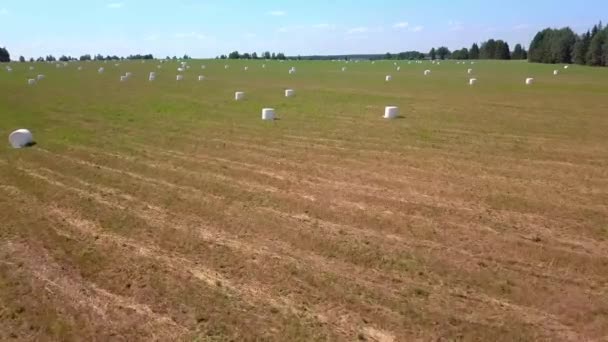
point(166, 210)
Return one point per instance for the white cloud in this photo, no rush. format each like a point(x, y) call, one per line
point(194, 35)
point(521, 27)
point(3, 11)
point(401, 25)
point(116, 5)
point(277, 13)
point(324, 26)
point(361, 29)
point(417, 28)
point(455, 26)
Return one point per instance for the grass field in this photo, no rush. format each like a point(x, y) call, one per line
point(167, 211)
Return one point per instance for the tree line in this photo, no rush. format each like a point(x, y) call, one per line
point(254, 55)
point(564, 46)
point(4, 55)
point(490, 49)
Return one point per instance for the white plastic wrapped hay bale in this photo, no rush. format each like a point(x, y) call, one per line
point(263, 66)
point(388, 78)
point(159, 66)
point(180, 69)
point(226, 66)
point(555, 72)
point(290, 93)
point(187, 67)
point(268, 114)
point(427, 72)
point(100, 70)
point(469, 71)
point(79, 68)
point(116, 65)
point(31, 68)
point(179, 77)
point(343, 69)
point(391, 112)
point(152, 77)
point(123, 78)
point(203, 67)
point(128, 74)
point(40, 77)
point(201, 78)
point(566, 66)
point(373, 62)
point(472, 81)
point(399, 68)
point(31, 81)
point(21, 138)
point(529, 81)
point(9, 69)
point(239, 95)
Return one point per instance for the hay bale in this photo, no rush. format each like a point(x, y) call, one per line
point(123, 78)
point(239, 95)
point(40, 77)
point(31, 68)
point(472, 81)
point(21, 138)
point(388, 78)
point(469, 71)
point(391, 112)
point(268, 114)
point(201, 78)
point(529, 81)
point(203, 67)
point(180, 70)
point(556, 72)
point(566, 66)
point(343, 69)
point(427, 72)
point(31, 81)
point(179, 77)
point(290, 93)
point(399, 68)
point(100, 70)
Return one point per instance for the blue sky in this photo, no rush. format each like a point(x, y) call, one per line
point(208, 28)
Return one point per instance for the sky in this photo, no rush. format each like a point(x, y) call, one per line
point(208, 28)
